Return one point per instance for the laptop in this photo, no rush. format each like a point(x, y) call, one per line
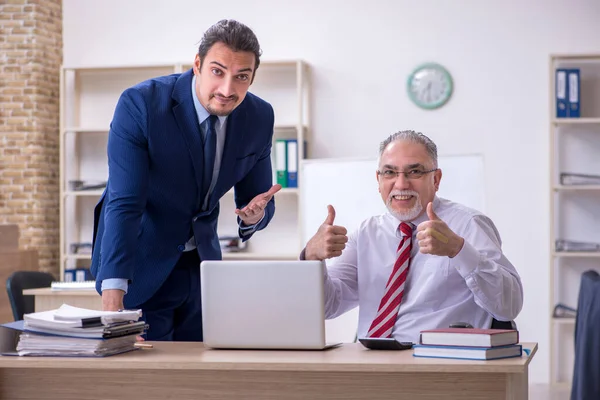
point(263, 304)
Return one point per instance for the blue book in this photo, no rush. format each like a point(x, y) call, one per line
point(573, 93)
point(467, 353)
point(561, 93)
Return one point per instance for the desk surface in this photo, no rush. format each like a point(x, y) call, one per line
point(350, 357)
point(62, 292)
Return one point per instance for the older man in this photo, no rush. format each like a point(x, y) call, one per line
point(425, 264)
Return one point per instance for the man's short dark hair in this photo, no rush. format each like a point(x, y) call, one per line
point(235, 35)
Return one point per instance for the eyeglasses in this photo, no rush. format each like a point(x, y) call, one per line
point(390, 174)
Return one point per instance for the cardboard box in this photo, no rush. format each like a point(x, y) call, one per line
point(12, 261)
point(9, 237)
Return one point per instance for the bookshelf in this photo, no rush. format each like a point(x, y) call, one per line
point(574, 208)
point(88, 97)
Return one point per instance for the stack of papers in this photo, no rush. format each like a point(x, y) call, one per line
point(73, 331)
point(32, 344)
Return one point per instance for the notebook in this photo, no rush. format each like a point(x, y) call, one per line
point(263, 304)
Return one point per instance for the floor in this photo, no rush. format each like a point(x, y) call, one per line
point(547, 392)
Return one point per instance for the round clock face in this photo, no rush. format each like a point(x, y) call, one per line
point(429, 86)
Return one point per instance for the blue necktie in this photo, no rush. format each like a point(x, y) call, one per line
point(210, 149)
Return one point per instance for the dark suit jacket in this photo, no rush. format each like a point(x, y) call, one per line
point(586, 385)
point(152, 202)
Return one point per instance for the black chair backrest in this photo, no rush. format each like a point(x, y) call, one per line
point(585, 384)
point(21, 280)
point(502, 324)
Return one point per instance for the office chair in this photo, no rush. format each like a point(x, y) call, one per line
point(496, 324)
point(21, 280)
point(503, 324)
point(585, 383)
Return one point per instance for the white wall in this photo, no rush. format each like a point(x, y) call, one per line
point(361, 53)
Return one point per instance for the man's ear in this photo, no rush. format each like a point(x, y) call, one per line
point(437, 178)
point(197, 64)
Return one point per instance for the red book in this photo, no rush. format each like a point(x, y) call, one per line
point(471, 337)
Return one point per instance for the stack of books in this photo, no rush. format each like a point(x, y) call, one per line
point(73, 331)
point(469, 344)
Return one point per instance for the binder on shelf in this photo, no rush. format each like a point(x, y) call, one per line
point(561, 93)
point(78, 275)
point(572, 245)
point(81, 248)
point(90, 184)
point(273, 166)
point(573, 90)
point(292, 163)
point(569, 178)
point(563, 311)
point(281, 161)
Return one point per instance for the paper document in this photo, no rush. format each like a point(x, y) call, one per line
point(70, 313)
point(80, 322)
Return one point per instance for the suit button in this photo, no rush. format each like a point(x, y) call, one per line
point(181, 247)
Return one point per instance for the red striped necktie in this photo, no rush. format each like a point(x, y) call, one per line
point(385, 319)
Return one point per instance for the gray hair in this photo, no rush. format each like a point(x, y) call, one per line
point(414, 137)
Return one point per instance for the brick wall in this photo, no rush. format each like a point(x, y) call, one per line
point(30, 59)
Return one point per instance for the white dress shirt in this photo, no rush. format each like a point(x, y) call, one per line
point(477, 284)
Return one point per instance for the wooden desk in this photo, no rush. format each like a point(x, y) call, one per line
point(188, 371)
point(48, 299)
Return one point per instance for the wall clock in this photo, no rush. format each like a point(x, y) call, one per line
point(429, 86)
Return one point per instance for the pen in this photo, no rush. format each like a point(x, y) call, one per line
point(143, 345)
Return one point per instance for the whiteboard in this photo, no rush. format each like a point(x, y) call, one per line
point(350, 186)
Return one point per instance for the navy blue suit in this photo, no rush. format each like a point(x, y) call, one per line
point(152, 203)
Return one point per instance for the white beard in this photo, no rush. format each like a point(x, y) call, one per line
point(408, 215)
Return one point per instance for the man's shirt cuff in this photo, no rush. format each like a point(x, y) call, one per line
point(114, 283)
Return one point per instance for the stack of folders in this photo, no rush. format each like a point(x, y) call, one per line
point(73, 331)
point(469, 344)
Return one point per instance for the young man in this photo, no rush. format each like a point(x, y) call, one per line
point(176, 145)
point(425, 264)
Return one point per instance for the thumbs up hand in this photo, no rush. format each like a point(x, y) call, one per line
point(435, 237)
point(329, 241)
